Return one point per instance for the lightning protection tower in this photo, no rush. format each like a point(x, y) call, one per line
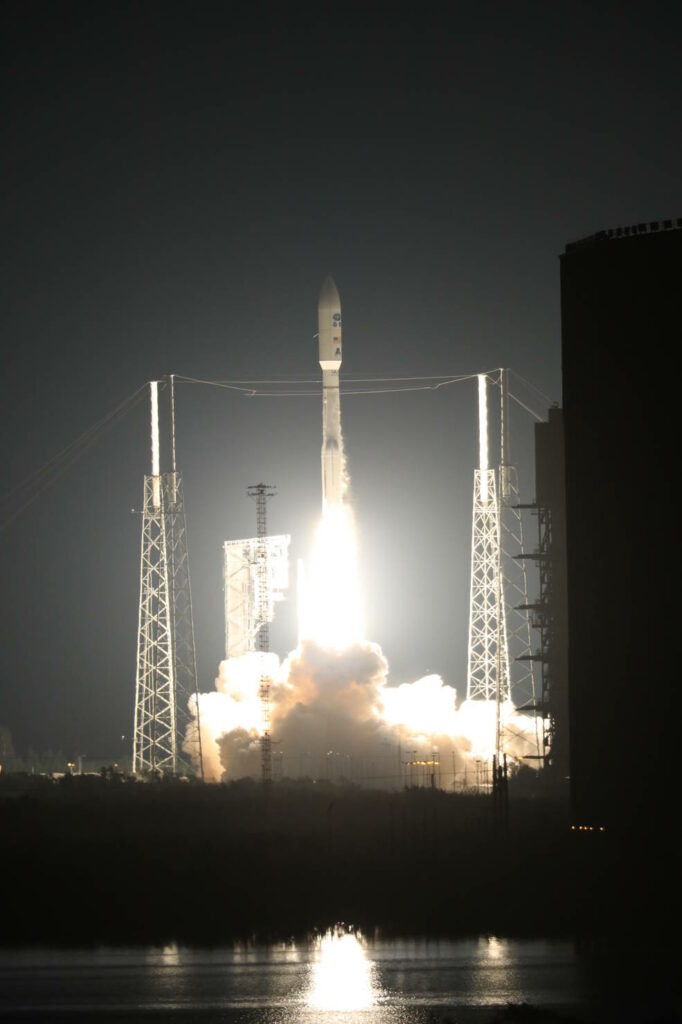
point(514, 581)
point(488, 664)
point(261, 493)
point(167, 736)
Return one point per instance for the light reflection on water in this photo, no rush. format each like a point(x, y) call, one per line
point(341, 978)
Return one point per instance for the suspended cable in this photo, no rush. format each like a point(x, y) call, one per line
point(531, 412)
point(537, 390)
point(438, 381)
point(348, 391)
point(29, 489)
point(314, 380)
point(213, 383)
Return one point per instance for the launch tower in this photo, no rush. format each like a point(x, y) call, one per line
point(260, 493)
point(488, 676)
point(166, 679)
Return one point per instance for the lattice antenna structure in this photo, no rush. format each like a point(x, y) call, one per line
point(261, 493)
point(166, 737)
point(514, 583)
point(488, 676)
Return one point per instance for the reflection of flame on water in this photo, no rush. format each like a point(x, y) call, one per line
point(342, 977)
point(495, 949)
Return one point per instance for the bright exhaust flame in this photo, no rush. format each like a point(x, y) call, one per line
point(331, 608)
point(342, 977)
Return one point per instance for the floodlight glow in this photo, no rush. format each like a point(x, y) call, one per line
point(483, 436)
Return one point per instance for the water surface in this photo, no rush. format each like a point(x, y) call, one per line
point(340, 979)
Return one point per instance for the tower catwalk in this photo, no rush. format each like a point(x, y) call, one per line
point(488, 665)
point(261, 493)
point(166, 679)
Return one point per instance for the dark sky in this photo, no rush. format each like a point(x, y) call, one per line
point(177, 181)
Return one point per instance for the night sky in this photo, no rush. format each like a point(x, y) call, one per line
point(178, 180)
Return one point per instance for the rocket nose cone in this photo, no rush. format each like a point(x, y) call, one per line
point(329, 294)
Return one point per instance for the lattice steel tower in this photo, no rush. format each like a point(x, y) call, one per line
point(261, 493)
point(513, 569)
point(488, 666)
point(166, 737)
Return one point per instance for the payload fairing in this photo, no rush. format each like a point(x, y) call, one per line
point(329, 326)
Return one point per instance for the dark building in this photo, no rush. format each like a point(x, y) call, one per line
point(621, 313)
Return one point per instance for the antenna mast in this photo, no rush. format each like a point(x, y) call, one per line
point(488, 663)
point(261, 493)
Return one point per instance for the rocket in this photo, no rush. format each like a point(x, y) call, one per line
point(329, 326)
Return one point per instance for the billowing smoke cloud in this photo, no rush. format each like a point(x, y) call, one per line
point(234, 711)
point(335, 716)
point(333, 713)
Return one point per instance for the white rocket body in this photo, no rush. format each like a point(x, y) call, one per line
point(329, 327)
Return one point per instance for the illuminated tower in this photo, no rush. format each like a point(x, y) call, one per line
point(488, 668)
point(261, 493)
point(166, 679)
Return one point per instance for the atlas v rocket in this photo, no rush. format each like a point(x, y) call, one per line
point(329, 325)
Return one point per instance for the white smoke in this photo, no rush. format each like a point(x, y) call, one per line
point(335, 715)
point(233, 709)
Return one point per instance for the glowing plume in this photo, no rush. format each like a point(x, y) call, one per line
point(331, 607)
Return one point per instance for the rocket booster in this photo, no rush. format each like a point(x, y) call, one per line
point(329, 326)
